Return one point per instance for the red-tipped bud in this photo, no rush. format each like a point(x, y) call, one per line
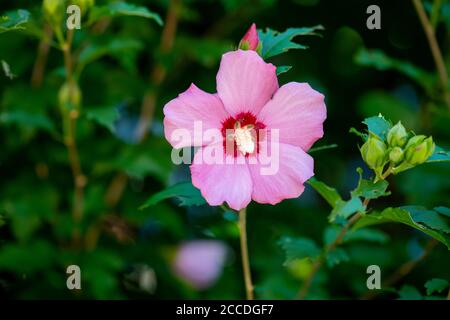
point(250, 41)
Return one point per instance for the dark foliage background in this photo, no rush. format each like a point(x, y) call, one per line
point(115, 243)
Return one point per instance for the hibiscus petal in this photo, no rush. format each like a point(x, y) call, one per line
point(294, 167)
point(226, 180)
point(245, 82)
point(298, 112)
point(193, 105)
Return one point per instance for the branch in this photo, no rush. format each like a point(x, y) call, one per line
point(319, 261)
point(159, 72)
point(434, 47)
point(41, 59)
point(79, 178)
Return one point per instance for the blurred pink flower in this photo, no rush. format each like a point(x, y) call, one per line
point(248, 98)
point(200, 262)
point(250, 41)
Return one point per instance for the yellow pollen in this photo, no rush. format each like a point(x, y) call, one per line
point(245, 140)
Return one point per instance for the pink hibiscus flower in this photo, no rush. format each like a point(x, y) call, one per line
point(248, 99)
point(200, 262)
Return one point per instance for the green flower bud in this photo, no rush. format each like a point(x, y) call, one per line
point(396, 155)
point(397, 136)
point(54, 9)
point(373, 152)
point(419, 149)
point(69, 95)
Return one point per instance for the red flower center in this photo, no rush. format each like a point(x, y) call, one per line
point(242, 133)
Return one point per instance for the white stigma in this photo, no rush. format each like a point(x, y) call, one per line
point(245, 141)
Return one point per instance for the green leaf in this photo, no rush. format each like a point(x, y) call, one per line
point(230, 215)
point(443, 210)
point(329, 194)
point(36, 256)
point(206, 51)
point(363, 136)
point(380, 61)
point(436, 285)
point(138, 162)
point(275, 43)
point(298, 248)
point(409, 293)
point(337, 256)
point(122, 8)
point(366, 234)
point(185, 192)
point(402, 215)
point(14, 20)
point(101, 272)
point(368, 189)
point(115, 47)
point(345, 209)
point(439, 155)
point(430, 218)
point(378, 125)
point(320, 148)
point(26, 119)
point(105, 116)
point(26, 213)
point(283, 69)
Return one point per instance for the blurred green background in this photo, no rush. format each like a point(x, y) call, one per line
point(129, 67)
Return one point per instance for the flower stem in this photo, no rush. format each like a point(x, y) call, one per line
point(386, 173)
point(244, 253)
point(70, 139)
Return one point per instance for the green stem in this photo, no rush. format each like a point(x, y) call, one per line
point(386, 173)
point(70, 125)
point(244, 253)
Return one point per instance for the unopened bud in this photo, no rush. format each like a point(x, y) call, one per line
point(250, 41)
point(397, 136)
point(419, 149)
point(69, 95)
point(373, 152)
point(54, 9)
point(396, 155)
